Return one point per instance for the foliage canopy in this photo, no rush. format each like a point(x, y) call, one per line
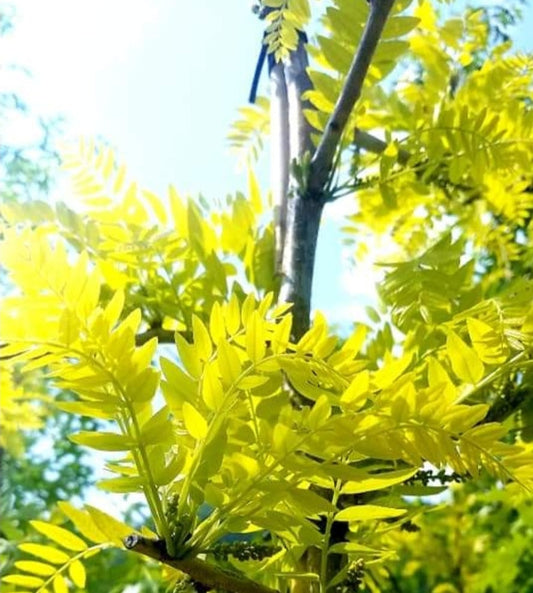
point(267, 459)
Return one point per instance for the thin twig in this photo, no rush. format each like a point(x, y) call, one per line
point(325, 152)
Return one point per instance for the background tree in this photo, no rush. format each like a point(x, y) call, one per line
point(299, 444)
point(26, 167)
point(34, 448)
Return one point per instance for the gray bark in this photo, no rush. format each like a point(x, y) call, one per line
point(304, 208)
point(280, 155)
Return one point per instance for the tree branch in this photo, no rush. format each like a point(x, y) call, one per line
point(323, 158)
point(213, 577)
point(164, 336)
point(507, 404)
point(370, 143)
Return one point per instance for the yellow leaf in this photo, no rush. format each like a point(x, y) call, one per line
point(368, 512)
point(357, 392)
point(232, 315)
point(23, 581)
point(60, 585)
point(466, 364)
point(61, 536)
point(378, 482)
point(38, 568)
point(103, 441)
point(255, 338)
point(391, 370)
point(76, 571)
point(122, 485)
point(319, 413)
point(212, 391)
point(84, 523)
point(216, 324)
point(45, 553)
point(281, 335)
point(142, 387)
point(228, 363)
point(156, 205)
point(487, 342)
point(254, 193)
point(313, 335)
point(115, 530)
point(188, 356)
point(119, 179)
point(202, 340)
point(436, 373)
point(194, 422)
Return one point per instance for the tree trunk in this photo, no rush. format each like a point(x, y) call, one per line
point(299, 254)
point(302, 211)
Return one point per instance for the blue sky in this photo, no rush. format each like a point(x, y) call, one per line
point(161, 80)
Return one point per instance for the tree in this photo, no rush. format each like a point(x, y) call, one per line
point(282, 455)
point(26, 167)
point(28, 417)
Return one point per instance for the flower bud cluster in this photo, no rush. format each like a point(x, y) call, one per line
point(244, 550)
point(354, 578)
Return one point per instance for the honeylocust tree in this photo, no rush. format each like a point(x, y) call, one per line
point(272, 453)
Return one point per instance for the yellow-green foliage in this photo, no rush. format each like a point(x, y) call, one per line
point(228, 434)
point(232, 428)
point(59, 565)
point(18, 411)
point(285, 19)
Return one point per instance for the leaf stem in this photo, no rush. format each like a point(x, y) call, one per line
point(327, 537)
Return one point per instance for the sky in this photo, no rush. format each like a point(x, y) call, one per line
point(161, 81)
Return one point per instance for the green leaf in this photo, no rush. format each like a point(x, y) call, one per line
point(309, 502)
point(420, 490)
point(103, 441)
point(165, 474)
point(368, 512)
point(194, 422)
point(466, 364)
point(122, 485)
point(353, 548)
